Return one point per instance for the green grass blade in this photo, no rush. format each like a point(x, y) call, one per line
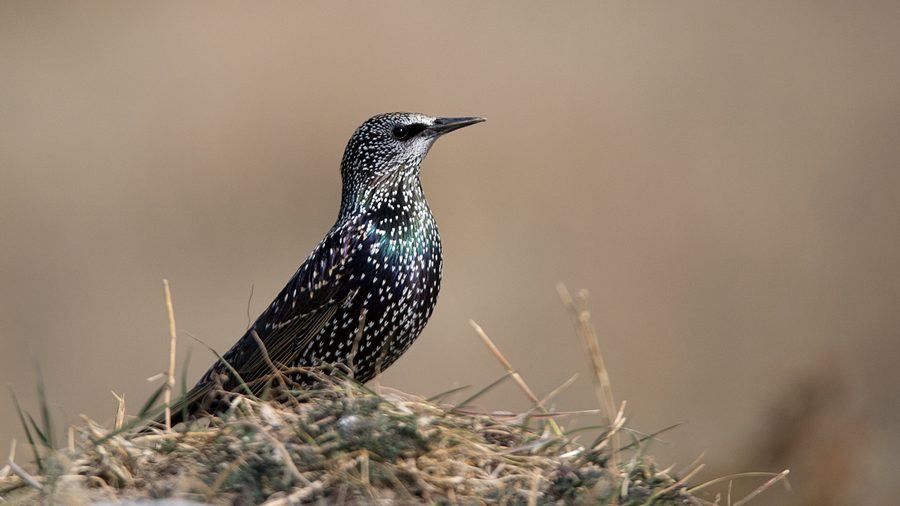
point(585, 428)
point(151, 401)
point(482, 391)
point(250, 393)
point(441, 396)
point(34, 448)
point(40, 434)
point(651, 436)
point(184, 371)
point(184, 389)
point(46, 420)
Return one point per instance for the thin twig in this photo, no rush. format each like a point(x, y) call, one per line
point(98, 482)
point(559, 389)
point(581, 319)
point(518, 379)
point(355, 347)
point(720, 479)
point(546, 399)
point(385, 348)
point(120, 411)
point(228, 366)
point(762, 487)
point(265, 353)
point(170, 382)
point(249, 300)
point(602, 386)
point(12, 456)
point(364, 468)
point(12, 449)
point(692, 464)
point(535, 483)
point(27, 478)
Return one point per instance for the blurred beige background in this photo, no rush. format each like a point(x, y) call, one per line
point(722, 177)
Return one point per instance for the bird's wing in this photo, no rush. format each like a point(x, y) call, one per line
point(309, 300)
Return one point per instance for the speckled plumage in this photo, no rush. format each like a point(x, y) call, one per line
point(380, 265)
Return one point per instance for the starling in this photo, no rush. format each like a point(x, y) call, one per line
point(366, 291)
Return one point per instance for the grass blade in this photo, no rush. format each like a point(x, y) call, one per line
point(40, 434)
point(45, 410)
point(442, 395)
point(34, 448)
point(148, 406)
point(482, 391)
point(237, 375)
point(184, 390)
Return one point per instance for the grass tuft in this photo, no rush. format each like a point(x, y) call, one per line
point(345, 443)
point(348, 442)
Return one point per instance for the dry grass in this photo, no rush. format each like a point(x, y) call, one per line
point(343, 445)
point(346, 444)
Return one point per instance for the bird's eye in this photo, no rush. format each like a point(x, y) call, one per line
point(401, 133)
point(406, 132)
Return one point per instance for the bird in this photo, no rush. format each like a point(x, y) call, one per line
point(365, 292)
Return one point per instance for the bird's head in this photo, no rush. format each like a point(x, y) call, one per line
point(387, 150)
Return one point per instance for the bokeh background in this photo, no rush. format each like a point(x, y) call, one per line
point(723, 178)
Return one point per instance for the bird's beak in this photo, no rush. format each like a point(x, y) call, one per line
point(445, 125)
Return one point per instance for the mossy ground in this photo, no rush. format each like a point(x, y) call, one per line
point(345, 444)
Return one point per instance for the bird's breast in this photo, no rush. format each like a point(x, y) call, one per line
point(405, 256)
